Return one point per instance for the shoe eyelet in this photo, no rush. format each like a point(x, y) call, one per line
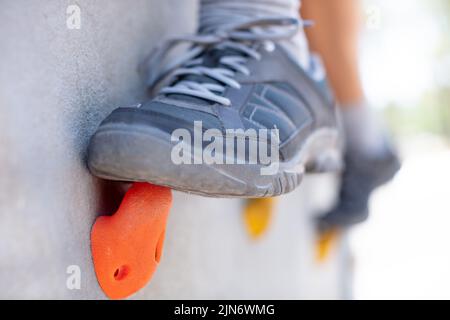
point(269, 46)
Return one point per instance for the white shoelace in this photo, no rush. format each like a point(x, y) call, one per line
point(243, 37)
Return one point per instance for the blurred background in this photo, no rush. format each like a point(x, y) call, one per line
point(403, 250)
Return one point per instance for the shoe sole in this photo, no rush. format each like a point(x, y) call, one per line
point(135, 153)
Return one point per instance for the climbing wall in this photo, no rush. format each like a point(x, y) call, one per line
point(64, 66)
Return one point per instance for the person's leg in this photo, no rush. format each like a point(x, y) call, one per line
point(370, 160)
point(335, 37)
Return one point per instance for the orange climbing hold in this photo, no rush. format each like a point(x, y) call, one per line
point(258, 215)
point(127, 246)
point(326, 243)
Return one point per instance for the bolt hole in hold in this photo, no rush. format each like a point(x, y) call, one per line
point(121, 273)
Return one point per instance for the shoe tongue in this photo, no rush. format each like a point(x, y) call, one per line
point(211, 59)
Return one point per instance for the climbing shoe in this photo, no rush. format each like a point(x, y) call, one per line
point(233, 116)
point(361, 176)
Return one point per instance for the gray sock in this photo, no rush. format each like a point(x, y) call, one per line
point(216, 14)
point(363, 130)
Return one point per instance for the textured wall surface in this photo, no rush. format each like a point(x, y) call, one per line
point(56, 85)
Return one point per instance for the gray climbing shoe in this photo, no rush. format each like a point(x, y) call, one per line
point(362, 175)
point(236, 117)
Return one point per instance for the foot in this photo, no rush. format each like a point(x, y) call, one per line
point(237, 81)
point(362, 175)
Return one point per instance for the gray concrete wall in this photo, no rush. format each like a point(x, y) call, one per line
point(56, 85)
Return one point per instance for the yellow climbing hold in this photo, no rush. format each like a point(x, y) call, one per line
point(258, 215)
point(326, 243)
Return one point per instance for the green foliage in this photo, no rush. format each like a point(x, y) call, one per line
point(432, 112)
